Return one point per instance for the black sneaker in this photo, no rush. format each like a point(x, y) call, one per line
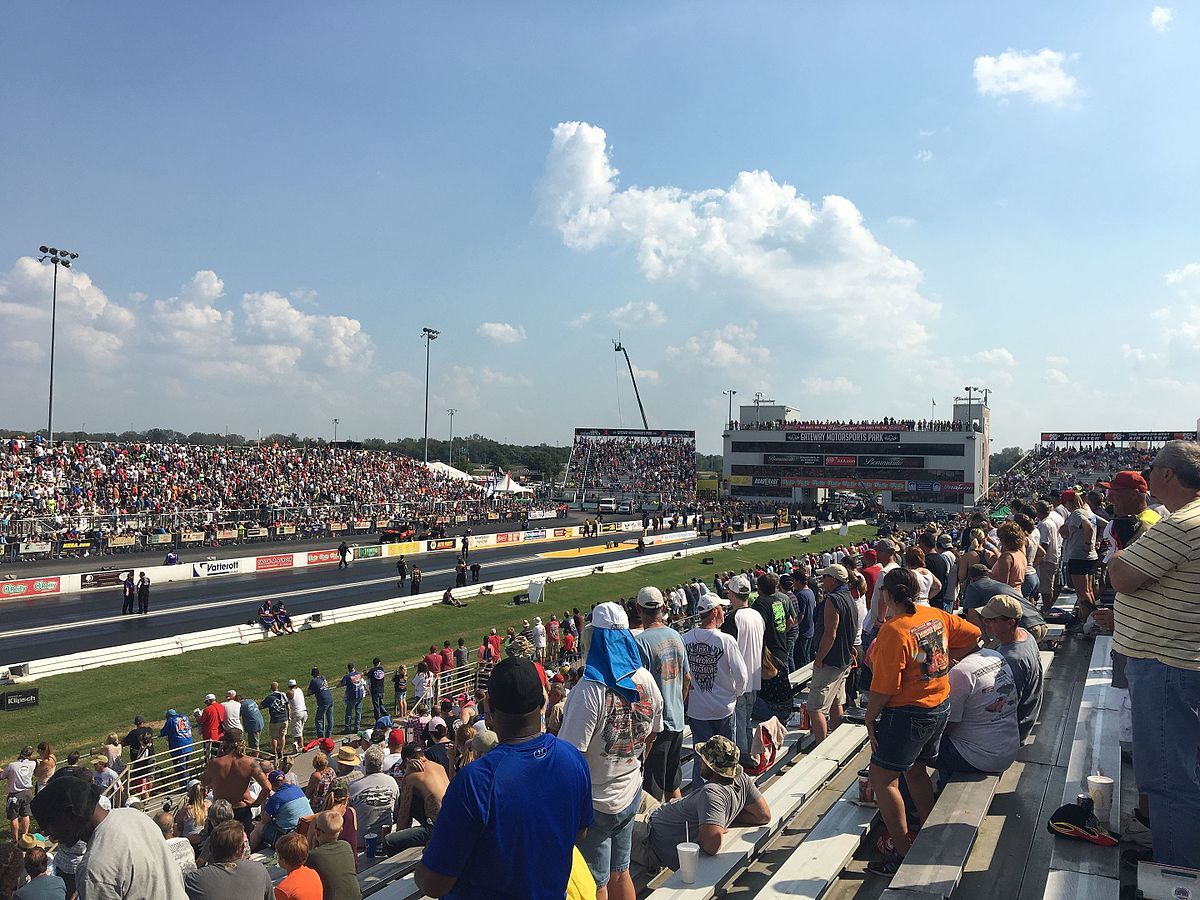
point(886, 866)
point(1131, 858)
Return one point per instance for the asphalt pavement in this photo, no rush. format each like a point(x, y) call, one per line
point(41, 627)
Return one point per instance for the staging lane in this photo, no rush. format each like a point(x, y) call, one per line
point(40, 628)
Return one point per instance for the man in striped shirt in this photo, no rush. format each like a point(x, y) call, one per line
point(1157, 625)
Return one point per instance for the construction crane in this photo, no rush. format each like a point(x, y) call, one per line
point(618, 347)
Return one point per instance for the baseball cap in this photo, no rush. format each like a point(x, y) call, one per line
point(210, 697)
point(1129, 481)
point(786, 581)
point(436, 722)
point(515, 687)
point(738, 584)
point(978, 570)
point(230, 693)
point(609, 615)
point(291, 682)
point(870, 557)
point(138, 720)
point(650, 598)
point(945, 541)
point(837, 572)
point(276, 776)
point(325, 745)
point(65, 800)
point(884, 546)
point(1002, 606)
point(395, 739)
point(1066, 495)
point(709, 602)
point(484, 741)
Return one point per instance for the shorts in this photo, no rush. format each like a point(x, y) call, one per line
point(1047, 573)
point(1082, 566)
point(18, 804)
point(907, 735)
point(662, 764)
point(606, 845)
point(828, 686)
point(277, 730)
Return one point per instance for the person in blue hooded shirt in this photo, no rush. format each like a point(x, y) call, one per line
point(178, 732)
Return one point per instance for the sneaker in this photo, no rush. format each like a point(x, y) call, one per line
point(884, 842)
point(1136, 832)
point(1131, 858)
point(887, 865)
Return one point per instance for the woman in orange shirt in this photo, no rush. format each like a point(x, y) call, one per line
point(910, 689)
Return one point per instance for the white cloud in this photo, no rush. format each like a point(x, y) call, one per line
point(1161, 18)
point(996, 357)
point(638, 314)
point(1039, 75)
point(492, 376)
point(902, 221)
point(1139, 355)
point(1057, 361)
point(756, 242)
point(927, 133)
point(580, 320)
point(1055, 376)
point(839, 385)
point(501, 332)
point(730, 347)
point(335, 341)
point(1185, 278)
point(649, 376)
point(924, 156)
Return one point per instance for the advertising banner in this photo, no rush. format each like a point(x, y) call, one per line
point(32, 547)
point(322, 557)
point(841, 461)
point(125, 540)
point(535, 535)
point(226, 534)
point(192, 537)
point(850, 484)
point(793, 459)
point(107, 578)
point(536, 514)
point(401, 548)
point(278, 561)
point(213, 567)
point(442, 544)
point(609, 527)
point(76, 545)
point(22, 699)
point(842, 437)
point(562, 532)
point(335, 527)
point(891, 462)
point(874, 427)
point(924, 487)
point(155, 539)
point(27, 587)
point(508, 537)
point(630, 432)
point(256, 532)
point(1097, 436)
point(363, 524)
point(765, 481)
point(286, 530)
point(372, 551)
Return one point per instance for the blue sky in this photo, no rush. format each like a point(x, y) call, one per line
point(270, 202)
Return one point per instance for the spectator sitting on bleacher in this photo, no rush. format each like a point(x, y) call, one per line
point(1002, 617)
point(982, 587)
point(301, 882)
point(727, 797)
point(332, 858)
point(281, 812)
point(373, 796)
point(981, 731)
point(228, 874)
point(911, 658)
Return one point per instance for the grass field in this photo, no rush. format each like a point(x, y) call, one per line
point(77, 710)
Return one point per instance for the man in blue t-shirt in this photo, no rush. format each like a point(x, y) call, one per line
point(178, 732)
point(282, 812)
point(510, 820)
point(319, 688)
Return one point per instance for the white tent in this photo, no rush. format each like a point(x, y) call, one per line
point(440, 468)
point(506, 485)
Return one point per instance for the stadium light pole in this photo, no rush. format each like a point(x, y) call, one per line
point(451, 411)
point(730, 394)
point(429, 335)
point(335, 425)
point(56, 258)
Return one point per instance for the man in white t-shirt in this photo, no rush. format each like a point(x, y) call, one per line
point(747, 627)
point(297, 712)
point(885, 553)
point(612, 716)
point(719, 676)
point(1049, 522)
point(982, 734)
point(233, 711)
point(19, 775)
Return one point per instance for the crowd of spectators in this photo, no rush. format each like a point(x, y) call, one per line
point(1047, 469)
point(196, 485)
point(884, 423)
point(645, 469)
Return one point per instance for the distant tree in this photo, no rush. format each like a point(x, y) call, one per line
point(1004, 460)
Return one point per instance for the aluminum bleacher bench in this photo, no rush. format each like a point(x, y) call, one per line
point(784, 795)
point(1077, 868)
point(935, 862)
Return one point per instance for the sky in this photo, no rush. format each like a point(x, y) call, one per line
point(855, 209)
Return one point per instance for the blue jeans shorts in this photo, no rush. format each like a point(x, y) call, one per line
point(908, 735)
point(605, 849)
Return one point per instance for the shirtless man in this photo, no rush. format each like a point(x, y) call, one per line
point(229, 774)
point(421, 796)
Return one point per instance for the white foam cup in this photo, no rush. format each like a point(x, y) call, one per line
point(689, 856)
point(1101, 789)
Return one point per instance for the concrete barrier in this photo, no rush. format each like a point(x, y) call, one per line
point(248, 634)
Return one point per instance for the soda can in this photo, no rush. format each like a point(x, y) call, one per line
point(1084, 802)
point(866, 793)
point(805, 723)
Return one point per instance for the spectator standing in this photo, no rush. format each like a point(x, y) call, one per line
point(252, 721)
point(787, 586)
point(664, 657)
point(718, 676)
point(354, 688)
point(332, 858)
point(377, 679)
point(1050, 540)
point(229, 774)
point(746, 627)
point(143, 594)
point(510, 819)
point(908, 707)
point(212, 719)
point(276, 705)
point(1079, 547)
point(1155, 626)
point(806, 605)
point(773, 606)
point(297, 714)
point(233, 712)
point(447, 654)
point(833, 637)
point(613, 716)
point(19, 776)
point(462, 656)
point(124, 847)
point(178, 732)
point(1001, 618)
point(318, 687)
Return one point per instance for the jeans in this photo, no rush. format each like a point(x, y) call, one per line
point(803, 653)
point(702, 730)
point(1031, 586)
point(741, 721)
point(406, 838)
point(909, 735)
point(353, 720)
point(1166, 755)
point(606, 846)
point(379, 706)
point(324, 720)
point(790, 640)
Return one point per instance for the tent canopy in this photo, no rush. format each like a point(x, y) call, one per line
point(440, 468)
point(505, 485)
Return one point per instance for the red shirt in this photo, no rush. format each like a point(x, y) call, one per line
point(212, 718)
point(433, 662)
point(447, 659)
point(871, 575)
point(494, 640)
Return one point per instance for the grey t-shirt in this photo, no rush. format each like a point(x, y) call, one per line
point(373, 797)
point(983, 711)
point(1026, 664)
point(247, 879)
point(665, 658)
point(714, 804)
point(1079, 545)
point(127, 857)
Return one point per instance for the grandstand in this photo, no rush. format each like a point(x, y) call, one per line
point(637, 466)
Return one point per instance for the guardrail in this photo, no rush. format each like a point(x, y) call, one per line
point(247, 634)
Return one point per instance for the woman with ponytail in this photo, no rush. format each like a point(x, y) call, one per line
point(909, 701)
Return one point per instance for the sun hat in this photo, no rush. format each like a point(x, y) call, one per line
point(347, 756)
point(722, 756)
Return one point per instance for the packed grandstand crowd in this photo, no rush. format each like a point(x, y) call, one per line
point(200, 484)
point(658, 469)
point(1047, 469)
point(900, 424)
